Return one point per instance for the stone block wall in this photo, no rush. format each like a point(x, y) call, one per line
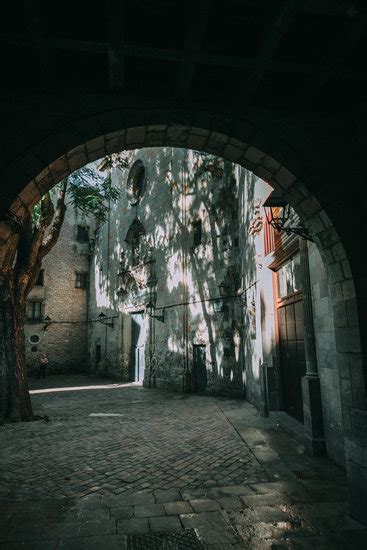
point(65, 338)
point(331, 379)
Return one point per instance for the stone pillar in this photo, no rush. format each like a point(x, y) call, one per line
point(356, 462)
point(312, 407)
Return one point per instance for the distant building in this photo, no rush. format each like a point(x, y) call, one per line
point(61, 295)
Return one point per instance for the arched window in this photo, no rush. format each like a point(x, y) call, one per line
point(136, 182)
point(134, 238)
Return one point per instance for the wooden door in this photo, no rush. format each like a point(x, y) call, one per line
point(199, 377)
point(138, 334)
point(292, 355)
point(291, 347)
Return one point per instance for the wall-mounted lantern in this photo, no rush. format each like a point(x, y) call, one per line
point(150, 307)
point(47, 321)
point(105, 320)
point(278, 214)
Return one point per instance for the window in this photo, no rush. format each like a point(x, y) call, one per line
point(82, 233)
point(139, 182)
point(40, 279)
point(197, 232)
point(136, 182)
point(81, 280)
point(34, 311)
point(135, 238)
point(34, 339)
point(289, 277)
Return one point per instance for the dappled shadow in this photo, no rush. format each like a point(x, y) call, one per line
point(200, 279)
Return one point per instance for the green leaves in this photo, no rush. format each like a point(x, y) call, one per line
point(115, 160)
point(91, 193)
point(89, 189)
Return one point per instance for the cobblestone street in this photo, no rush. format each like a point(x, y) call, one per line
point(110, 461)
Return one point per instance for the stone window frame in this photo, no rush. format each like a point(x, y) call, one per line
point(133, 238)
point(31, 341)
point(135, 188)
point(36, 312)
point(82, 233)
point(81, 280)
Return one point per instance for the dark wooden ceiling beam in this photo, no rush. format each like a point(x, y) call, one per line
point(191, 57)
point(115, 48)
point(327, 7)
point(348, 42)
point(266, 51)
point(35, 30)
point(198, 23)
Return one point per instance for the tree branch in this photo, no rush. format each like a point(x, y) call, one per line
point(47, 211)
point(27, 264)
point(30, 254)
point(58, 221)
point(10, 251)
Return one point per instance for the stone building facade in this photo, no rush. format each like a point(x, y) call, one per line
point(169, 250)
point(199, 293)
point(190, 289)
point(57, 308)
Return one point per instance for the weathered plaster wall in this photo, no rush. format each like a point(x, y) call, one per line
point(178, 193)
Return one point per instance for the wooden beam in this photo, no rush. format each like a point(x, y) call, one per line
point(347, 42)
point(194, 39)
point(116, 22)
point(267, 49)
point(33, 21)
point(191, 57)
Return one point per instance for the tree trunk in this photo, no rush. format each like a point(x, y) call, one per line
point(15, 402)
point(22, 390)
point(8, 406)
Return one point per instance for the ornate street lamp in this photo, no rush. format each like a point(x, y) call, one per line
point(278, 214)
point(150, 306)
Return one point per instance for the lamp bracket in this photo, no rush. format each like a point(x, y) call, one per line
point(297, 230)
point(158, 317)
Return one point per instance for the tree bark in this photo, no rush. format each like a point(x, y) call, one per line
point(22, 389)
point(15, 402)
point(8, 393)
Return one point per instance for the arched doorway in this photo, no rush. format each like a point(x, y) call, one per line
point(282, 175)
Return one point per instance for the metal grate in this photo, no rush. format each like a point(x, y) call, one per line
point(168, 540)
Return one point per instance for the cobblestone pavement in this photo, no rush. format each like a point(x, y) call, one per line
point(111, 462)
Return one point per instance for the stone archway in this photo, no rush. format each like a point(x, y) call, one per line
point(285, 171)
